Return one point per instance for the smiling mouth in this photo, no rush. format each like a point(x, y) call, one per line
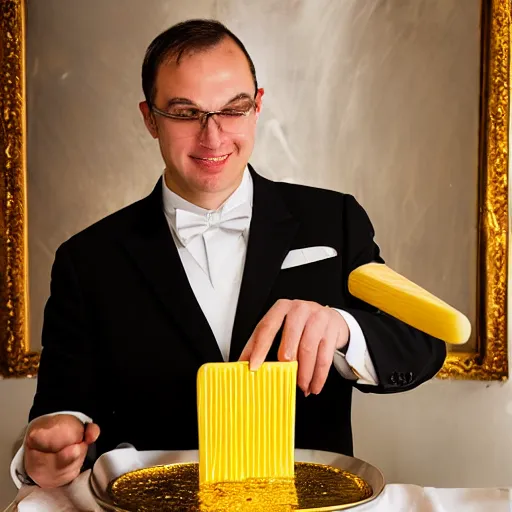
point(212, 159)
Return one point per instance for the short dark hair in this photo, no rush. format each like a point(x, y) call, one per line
point(181, 39)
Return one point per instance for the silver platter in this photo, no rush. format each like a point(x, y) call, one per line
point(113, 464)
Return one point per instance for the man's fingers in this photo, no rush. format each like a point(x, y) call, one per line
point(310, 335)
point(324, 358)
point(247, 351)
point(70, 455)
point(314, 332)
point(54, 433)
point(265, 332)
point(293, 330)
point(92, 432)
point(55, 469)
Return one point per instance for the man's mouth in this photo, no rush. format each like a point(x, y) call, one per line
point(212, 158)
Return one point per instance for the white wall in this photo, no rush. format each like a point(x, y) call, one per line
point(15, 400)
point(444, 434)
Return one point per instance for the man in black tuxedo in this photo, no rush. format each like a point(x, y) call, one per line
point(217, 263)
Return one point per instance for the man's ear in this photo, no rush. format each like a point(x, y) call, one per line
point(149, 119)
point(258, 101)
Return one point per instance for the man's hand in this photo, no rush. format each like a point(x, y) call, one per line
point(311, 335)
point(55, 449)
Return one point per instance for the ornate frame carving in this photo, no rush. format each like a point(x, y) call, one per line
point(488, 362)
point(15, 358)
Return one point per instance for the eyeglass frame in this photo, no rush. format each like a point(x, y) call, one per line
point(203, 115)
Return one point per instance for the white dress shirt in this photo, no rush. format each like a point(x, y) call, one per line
point(217, 252)
point(214, 263)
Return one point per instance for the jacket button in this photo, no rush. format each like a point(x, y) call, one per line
point(394, 378)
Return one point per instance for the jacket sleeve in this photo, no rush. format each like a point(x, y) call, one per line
point(403, 356)
point(68, 376)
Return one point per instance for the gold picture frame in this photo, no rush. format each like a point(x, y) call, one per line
point(489, 361)
point(16, 360)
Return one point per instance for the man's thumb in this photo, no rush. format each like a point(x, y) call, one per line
point(92, 432)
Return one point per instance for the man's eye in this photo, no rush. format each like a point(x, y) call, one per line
point(229, 112)
point(185, 113)
point(236, 111)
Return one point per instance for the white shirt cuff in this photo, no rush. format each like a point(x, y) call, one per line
point(357, 356)
point(17, 465)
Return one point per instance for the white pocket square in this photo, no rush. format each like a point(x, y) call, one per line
point(307, 255)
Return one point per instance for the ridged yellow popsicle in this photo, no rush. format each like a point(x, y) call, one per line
point(382, 287)
point(246, 421)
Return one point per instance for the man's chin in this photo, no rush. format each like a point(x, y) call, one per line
point(219, 183)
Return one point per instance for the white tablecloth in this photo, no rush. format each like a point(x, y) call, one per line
point(395, 498)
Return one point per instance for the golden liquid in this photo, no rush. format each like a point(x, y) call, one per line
point(175, 488)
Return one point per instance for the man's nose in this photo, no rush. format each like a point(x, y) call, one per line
point(211, 134)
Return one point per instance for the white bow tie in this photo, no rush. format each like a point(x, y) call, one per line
point(189, 225)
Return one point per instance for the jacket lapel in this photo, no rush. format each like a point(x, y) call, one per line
point(271, 233)
point(151, 246)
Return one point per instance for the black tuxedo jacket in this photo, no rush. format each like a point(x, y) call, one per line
point(124, 336)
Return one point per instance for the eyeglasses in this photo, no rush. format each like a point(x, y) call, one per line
point(191, 119)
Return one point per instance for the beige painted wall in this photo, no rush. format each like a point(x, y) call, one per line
point(15, 400)
point(394, 116)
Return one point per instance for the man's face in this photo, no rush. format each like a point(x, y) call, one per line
point(205, 163)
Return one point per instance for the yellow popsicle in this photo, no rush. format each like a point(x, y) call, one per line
point(246, 421)
point(382, 287)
